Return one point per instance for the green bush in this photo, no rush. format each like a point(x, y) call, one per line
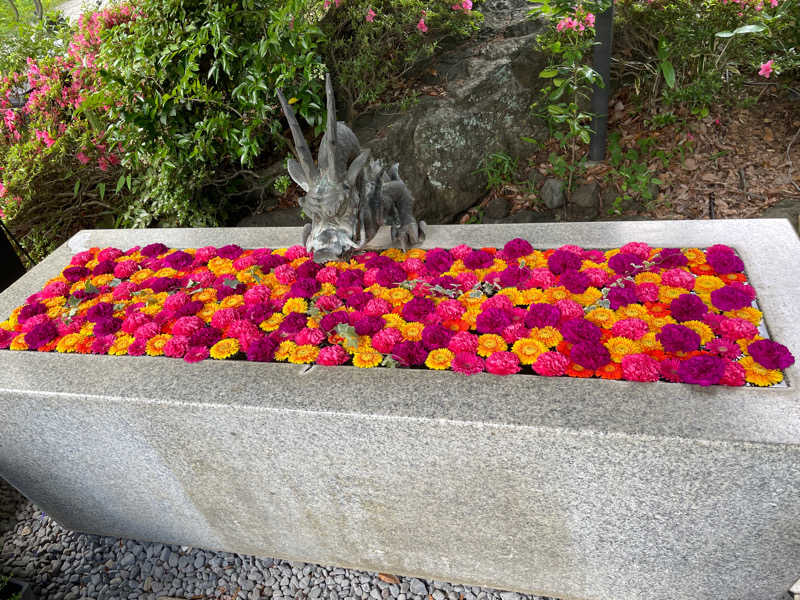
point(369, 58)
point(191, 90)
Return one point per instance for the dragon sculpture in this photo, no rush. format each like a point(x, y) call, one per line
point(349, 195)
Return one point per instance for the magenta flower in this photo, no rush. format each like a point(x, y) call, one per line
point(640, 367)
point(724, 347)
point(371, 14)
point(417, 308)
point(624, 263)
point(467, 363)
point(622, 296)
point(208, 336)
point(330, 356)
point(478, 259)
point(702, 370)
point(730, 298)
point(563, 260)
point(766, 69)
point(502, 363)
point(517, 247)
point(421, 25)
point(542, 315)
point(551, 364)
point(492, 320)
point(436, 336)
point(580, 330)
point(575, 281)
point(669, 369)
point(677, 338)
point(590, 355)
point(193, 354)
point(369, 325)
point(41, 334)
point(153, 250)
point(724, 260)
point(73, 274)
point(409, 354)
point(771, 355)
point(688, 307)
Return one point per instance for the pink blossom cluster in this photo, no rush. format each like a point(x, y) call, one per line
point(579, 21)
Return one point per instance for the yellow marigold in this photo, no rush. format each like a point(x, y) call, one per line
point(55, 302)
point(412, 331)
point(632, 311)
point(284, 350)
point(707, 284)
point(232, 301)
point(418, 253)
point(589, 297)
point(471, 302)
point(554, 294)
point(695, 256)
point(612, 252)
point(704, 331)
point(155, 345)
point(528, 350)
point(221, 266)
point(647, 277)
point(667, 294)
point(280, 251)
point(471, 316)
point(166, 272)
point(103, 279)
point(394, 320)
point(18, 343)
point(602, 317)
point(393, 253)
point(109, 297)
point(439, 359)
point(151, 308)
point(458, 267)
point(87, 329)
point(535, 259)
point(327, 289)
point(749, 313)
point(141, 275)
point(657, 323)
point(367, 358)
point(620, 346)
point(648, 342)
point(270, 280)
point(298, 305)
point(588, 264)
point(224, 348)
point(7, 325)
point(756, 374)
point(78, 285)
point(489, 343)
point(498, 264)
point(743, 343)
point(513, 294)
point(279, 291)
point(303, 355)
point(532, 296)
point(92, 264)
point(299, 261)
point(206, 295)
point(548, 336)
point(67, 343)
point(120, 345)
point(55, 312)
point(272, 323)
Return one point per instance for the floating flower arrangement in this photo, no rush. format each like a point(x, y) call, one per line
point(635, 313)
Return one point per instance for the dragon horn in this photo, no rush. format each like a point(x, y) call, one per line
point(301, 146)
point(330, 132)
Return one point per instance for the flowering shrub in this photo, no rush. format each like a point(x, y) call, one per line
point(636, 313)
point(55, 166)
point(373, 44)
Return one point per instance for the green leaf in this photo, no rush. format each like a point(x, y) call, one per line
point(669, 73)
point(120, 183)
point(101, 187)
point(90, 288)
point(114, 282)
point(232, 283)
point(76, 188)
point(548, 73)
point(754, 28)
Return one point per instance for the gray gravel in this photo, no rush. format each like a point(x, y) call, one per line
point(67, 565)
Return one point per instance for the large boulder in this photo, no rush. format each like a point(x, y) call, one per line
point(487, 85)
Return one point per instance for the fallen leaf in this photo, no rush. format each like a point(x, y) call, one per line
point(690, 164)
point(768, 135)
point(388, 578)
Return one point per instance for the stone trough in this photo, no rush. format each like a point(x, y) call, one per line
point(586, 489)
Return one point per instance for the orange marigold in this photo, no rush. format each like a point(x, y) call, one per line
point(556, 293)
point(619, 347)
point(575, 370)
point(120, 345)
point(155, 345)
point(272, 323)
point(367, 358)
point(304, 354)
point(548, 336)
point(489, 343)
point(756, 374)
point(232, 301)
point(647, 277)
point(610, 371)
point(412, 331)
point(68, 342)
point(705, 284)
point(602, 317)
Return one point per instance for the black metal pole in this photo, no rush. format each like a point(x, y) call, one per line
point(601, 58)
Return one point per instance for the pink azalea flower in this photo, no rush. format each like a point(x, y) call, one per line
point(371, 14)
point(82, 158)
point(421, 26)
point(466, 5)
point(766, 69)
point(589, 20)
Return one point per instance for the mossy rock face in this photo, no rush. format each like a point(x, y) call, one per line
point(487, 85)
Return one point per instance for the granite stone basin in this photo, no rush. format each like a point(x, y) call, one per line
point(585, 489)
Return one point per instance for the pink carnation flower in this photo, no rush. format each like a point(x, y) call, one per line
point(632, 329)
point(327, 275)
point(328, 303)
point(257, 294)
point(147, 331)
point(640, 249)
point(244, 262)
point(737, 329)
point(514, 332)
point(193, 354)
point(669, 369)
point(186, 326)
point(55, 289)
point(385, 339)
point(460, 252)
point(542, 278)
point(294, 252)
point(123, 291)
point(81, 258)
point(205, 254)
point(597, 277)
point(332, 355)
point(733, 375)
point(450, 309)
point(176, 346)
point(371, 276)
point(724, 347)
point(466, 280)
point(285, 274)
point(377, 307)
point(109, 254)
point(646, 292)
point(309, 336)
point(467, 363)
point(175, 301)
point(133, 321)
point(502, 363)
point(640, 367)
point(551, 364)
point(463, 341)
point(569, 309)
point(413, 265)
point(224, 317)
point(678, 278)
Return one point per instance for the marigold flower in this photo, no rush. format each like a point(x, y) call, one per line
point(155, 345)
point(647, 277)
point(272, 323)
point(225, 348)
point(298, 305)
point(528, 350)
point(68, 342)
point(232, 301)
point(575, 370)
point(398, 296)
point(120, 345)
point(303, 354)
point(648, 342)
point(489, 343)
point(589, 297)
point(620, 347)
point(18, 343)
point(548, 336)
point(701, 329)
point(367, 358)
point(632, 311)
point(439, 359)
point(602, 317)
point(667, 294)
point(610, 370)
point(707, 284)
point(412, 331)
point(554, 294)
